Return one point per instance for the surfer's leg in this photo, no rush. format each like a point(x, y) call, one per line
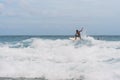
point(75, 37)
point(80, 37)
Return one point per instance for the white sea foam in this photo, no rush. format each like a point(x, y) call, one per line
point(89, 59)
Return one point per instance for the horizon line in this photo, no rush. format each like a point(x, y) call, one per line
point(58, 35)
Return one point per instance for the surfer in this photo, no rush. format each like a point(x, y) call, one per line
point(77, 34)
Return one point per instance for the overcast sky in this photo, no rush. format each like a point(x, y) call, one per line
point(59, 17)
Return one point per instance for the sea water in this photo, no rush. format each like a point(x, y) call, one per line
point(58, 58)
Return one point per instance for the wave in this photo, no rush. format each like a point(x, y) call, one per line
point(61, 59)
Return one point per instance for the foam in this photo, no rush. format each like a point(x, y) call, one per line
point(89, 59)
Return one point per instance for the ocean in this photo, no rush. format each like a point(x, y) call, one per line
point(58, 58)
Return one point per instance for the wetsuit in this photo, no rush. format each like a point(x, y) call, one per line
point(77, 34)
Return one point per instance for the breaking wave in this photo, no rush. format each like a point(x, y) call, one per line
point(61, 59)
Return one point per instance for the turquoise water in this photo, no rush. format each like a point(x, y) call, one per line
point(53, 37)
point(58, 58)
point(108, 37)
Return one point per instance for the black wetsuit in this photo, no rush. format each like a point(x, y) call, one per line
point(77, 34)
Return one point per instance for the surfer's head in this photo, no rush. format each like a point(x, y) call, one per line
point(76, 30)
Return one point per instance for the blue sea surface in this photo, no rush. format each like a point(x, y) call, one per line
point(107, 37)
point(54, 37)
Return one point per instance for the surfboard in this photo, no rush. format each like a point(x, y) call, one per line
point(73, 38)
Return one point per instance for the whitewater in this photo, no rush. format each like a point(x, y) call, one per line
point(60, 59)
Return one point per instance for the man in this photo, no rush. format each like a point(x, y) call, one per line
point(77, 34)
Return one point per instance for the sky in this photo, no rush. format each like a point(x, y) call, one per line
point(59, 17)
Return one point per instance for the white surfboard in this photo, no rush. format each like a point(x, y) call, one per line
point(73, 38)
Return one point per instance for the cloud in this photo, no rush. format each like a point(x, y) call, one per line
point(58, 8)
point(1, 7)
point(47, 8)
point(9, 1)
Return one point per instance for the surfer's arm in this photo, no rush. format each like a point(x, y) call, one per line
point(81, 29)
